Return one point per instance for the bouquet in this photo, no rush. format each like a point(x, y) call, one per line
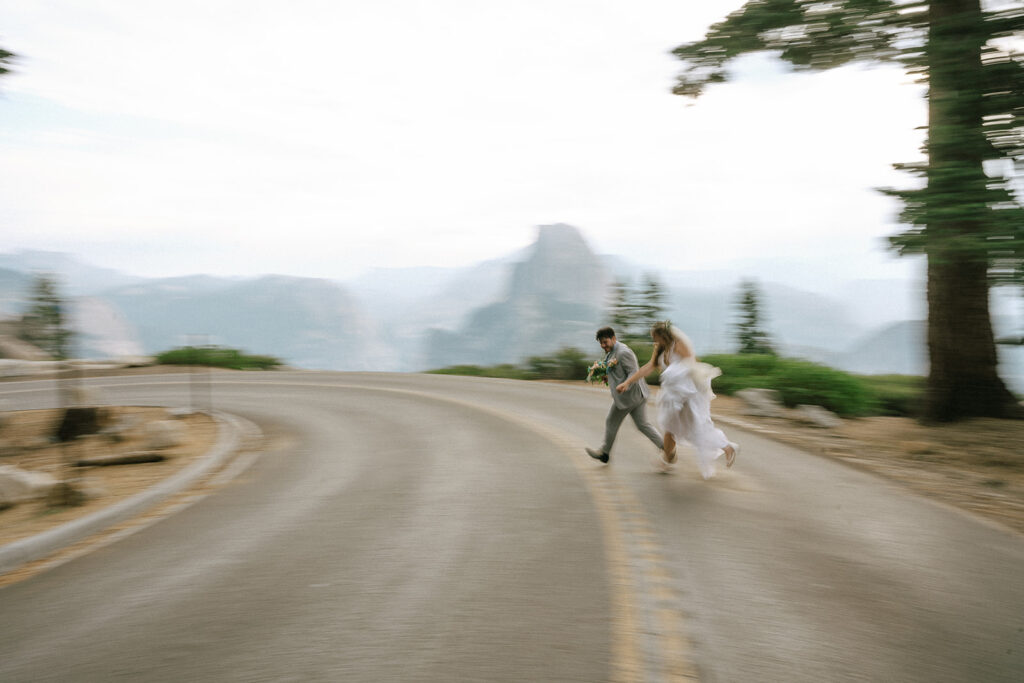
point(598, 372)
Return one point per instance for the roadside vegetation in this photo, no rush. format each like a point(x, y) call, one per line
point(217, 357)
point(797, 381)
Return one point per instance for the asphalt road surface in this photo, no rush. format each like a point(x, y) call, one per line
point(430, 528)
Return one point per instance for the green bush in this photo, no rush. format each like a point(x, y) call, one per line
point(900, 395)
point(805, 382)
point(218, 357)
point(504, 371)
point(797, 382)
point(743, 371)
point(568, 363)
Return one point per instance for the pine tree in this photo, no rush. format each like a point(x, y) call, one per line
point(968, 224)
point(750, 338)
point(622, 309)
point(44, 323)
point(5, 59)
point(634, 308)
point(650, 301)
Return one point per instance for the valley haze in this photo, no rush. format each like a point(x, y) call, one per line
point(534, 301)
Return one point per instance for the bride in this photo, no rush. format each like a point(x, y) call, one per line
point(684, 400)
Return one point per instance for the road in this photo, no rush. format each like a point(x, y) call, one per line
point(433, 528)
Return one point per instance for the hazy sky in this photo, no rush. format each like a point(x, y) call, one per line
point(324, 138)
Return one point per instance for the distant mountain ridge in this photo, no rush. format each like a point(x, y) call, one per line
point(550, 295)
point(555, 297)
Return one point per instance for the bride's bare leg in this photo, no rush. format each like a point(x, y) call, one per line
point(730, 455)
point(670, 447)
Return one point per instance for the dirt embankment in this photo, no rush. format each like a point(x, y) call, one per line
point(977, 465)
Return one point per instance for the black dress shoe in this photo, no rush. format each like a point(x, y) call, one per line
point(596, 454)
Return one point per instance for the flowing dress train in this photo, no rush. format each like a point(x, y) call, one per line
point(684, 408)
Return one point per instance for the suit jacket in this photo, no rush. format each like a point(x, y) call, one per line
point(620, 372)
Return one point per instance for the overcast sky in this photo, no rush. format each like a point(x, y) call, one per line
point(323, 138)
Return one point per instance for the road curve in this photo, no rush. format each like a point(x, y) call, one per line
point(431, 528)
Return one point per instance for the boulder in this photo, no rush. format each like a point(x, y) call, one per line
point(18, 485)
point(817, 416)
point(16, 349)
point(65, 494)
point(79, 421)
point(761, 402)
point(162, 434)
point(118, 431)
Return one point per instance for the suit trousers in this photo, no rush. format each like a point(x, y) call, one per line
point(639, 414)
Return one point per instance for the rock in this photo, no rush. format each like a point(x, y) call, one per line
point(35, 443)
point(18, 485)
point(65, 494)
point(164, 434)
point(817, 416)
point(80, 421)
point(761, 402)
point(118, 431)
point(16, 349)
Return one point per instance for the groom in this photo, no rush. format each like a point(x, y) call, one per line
point(632, 401)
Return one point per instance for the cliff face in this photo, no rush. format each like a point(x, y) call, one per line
point(307, 322)
point(555, 298)
point(561, 267)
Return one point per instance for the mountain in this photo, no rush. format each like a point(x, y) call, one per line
point(307, 322)
point(14, 291)
point(555, 297)
point(551, 295)
point(102, 330)
point(898, 348)
point(74, 277)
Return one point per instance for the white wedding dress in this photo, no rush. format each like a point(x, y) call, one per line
point(684, 407)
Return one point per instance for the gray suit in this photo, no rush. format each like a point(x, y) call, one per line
point(632, 402)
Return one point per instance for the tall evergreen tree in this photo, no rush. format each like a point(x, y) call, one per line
point(750, 336)
point(5, 60)
point(44, 323)
point(650, 301)
point(968, 224)
point(621, 314)
point(634, 308)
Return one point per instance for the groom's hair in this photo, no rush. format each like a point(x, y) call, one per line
point(605, 333)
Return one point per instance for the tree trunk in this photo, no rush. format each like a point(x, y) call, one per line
point(963, 380)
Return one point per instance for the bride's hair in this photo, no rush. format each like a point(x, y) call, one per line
point(665, 336)
point(661, 332)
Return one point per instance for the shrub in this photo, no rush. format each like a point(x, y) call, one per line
point(504, 371)
point(218, 357)
point(797, 382)
point(567, 363)
point(900, 395)
point(743, 371)
point(805, 382)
